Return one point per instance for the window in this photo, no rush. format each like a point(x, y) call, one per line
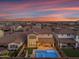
point(78, 37)
point(62, 34)
point(68, 34)
point(13, 46)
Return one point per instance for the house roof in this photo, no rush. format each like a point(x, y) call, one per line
point(38, 31)
point(77, 32)
point(65, 31)
point(9, 38)
point(45, 40)
point(63, 40)
point(17, 40)
point(6, 39)
point(42, 31)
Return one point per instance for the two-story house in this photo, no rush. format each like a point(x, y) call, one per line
point(77, 39)
point(39, 37)
point(65, 37)
point(16, 41)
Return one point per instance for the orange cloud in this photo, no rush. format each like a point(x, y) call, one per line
point(60, 9)
point(66, 8)
point(56, 15)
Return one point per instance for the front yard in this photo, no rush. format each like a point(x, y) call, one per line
point(4, 53)
point(71, 52)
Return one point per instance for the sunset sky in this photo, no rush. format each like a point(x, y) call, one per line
point(39, 8)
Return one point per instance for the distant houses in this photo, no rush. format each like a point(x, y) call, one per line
point(38, 36)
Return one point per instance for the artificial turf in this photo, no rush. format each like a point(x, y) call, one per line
point(71, 52)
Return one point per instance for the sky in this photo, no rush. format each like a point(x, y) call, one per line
point(39, 8)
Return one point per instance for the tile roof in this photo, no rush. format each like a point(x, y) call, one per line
point(65, 31)
point(45, 40)
point(42, 31)
point(77, 32)
point(9, 38)
point(63, 40)
point(38, 31)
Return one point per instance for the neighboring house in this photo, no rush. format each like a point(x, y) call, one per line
point(1, 26)
point(19, 28)
point(27, 27)
point(1, 33)
point(65, 37)
point(38, 25)
point(4, 41)
point(13, 27)
point(14, 46)
point(65, 33)
point(77, 39)
point(10, 39)
point(16, 43)
point(63, 42)
point(16, 28)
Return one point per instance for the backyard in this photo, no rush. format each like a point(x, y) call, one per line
point(71, 52)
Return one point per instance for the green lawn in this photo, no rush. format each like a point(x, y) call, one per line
point(30, 50)
point(5, 53)
point(71, 52)
point(14, 53)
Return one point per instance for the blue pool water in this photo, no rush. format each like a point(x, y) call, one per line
point(46, 54)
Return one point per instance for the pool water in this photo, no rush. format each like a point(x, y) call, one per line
point(46, 54)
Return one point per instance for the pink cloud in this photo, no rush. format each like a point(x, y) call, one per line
point(1, 15)
point(50, 5)
point(26, 6)
point(36, 6)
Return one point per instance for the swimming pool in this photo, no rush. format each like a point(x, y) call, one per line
point(46, 54)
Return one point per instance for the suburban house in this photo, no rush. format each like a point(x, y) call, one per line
point(31, 40)
point(65, 37)
point(27, 27)
point(4, 41)
point(65, 33)
point(10, 40)
point(19, 28)
point(16, 28)
point(39, 37)
point(37, 25)
point(77, 39)
point(16, 43)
